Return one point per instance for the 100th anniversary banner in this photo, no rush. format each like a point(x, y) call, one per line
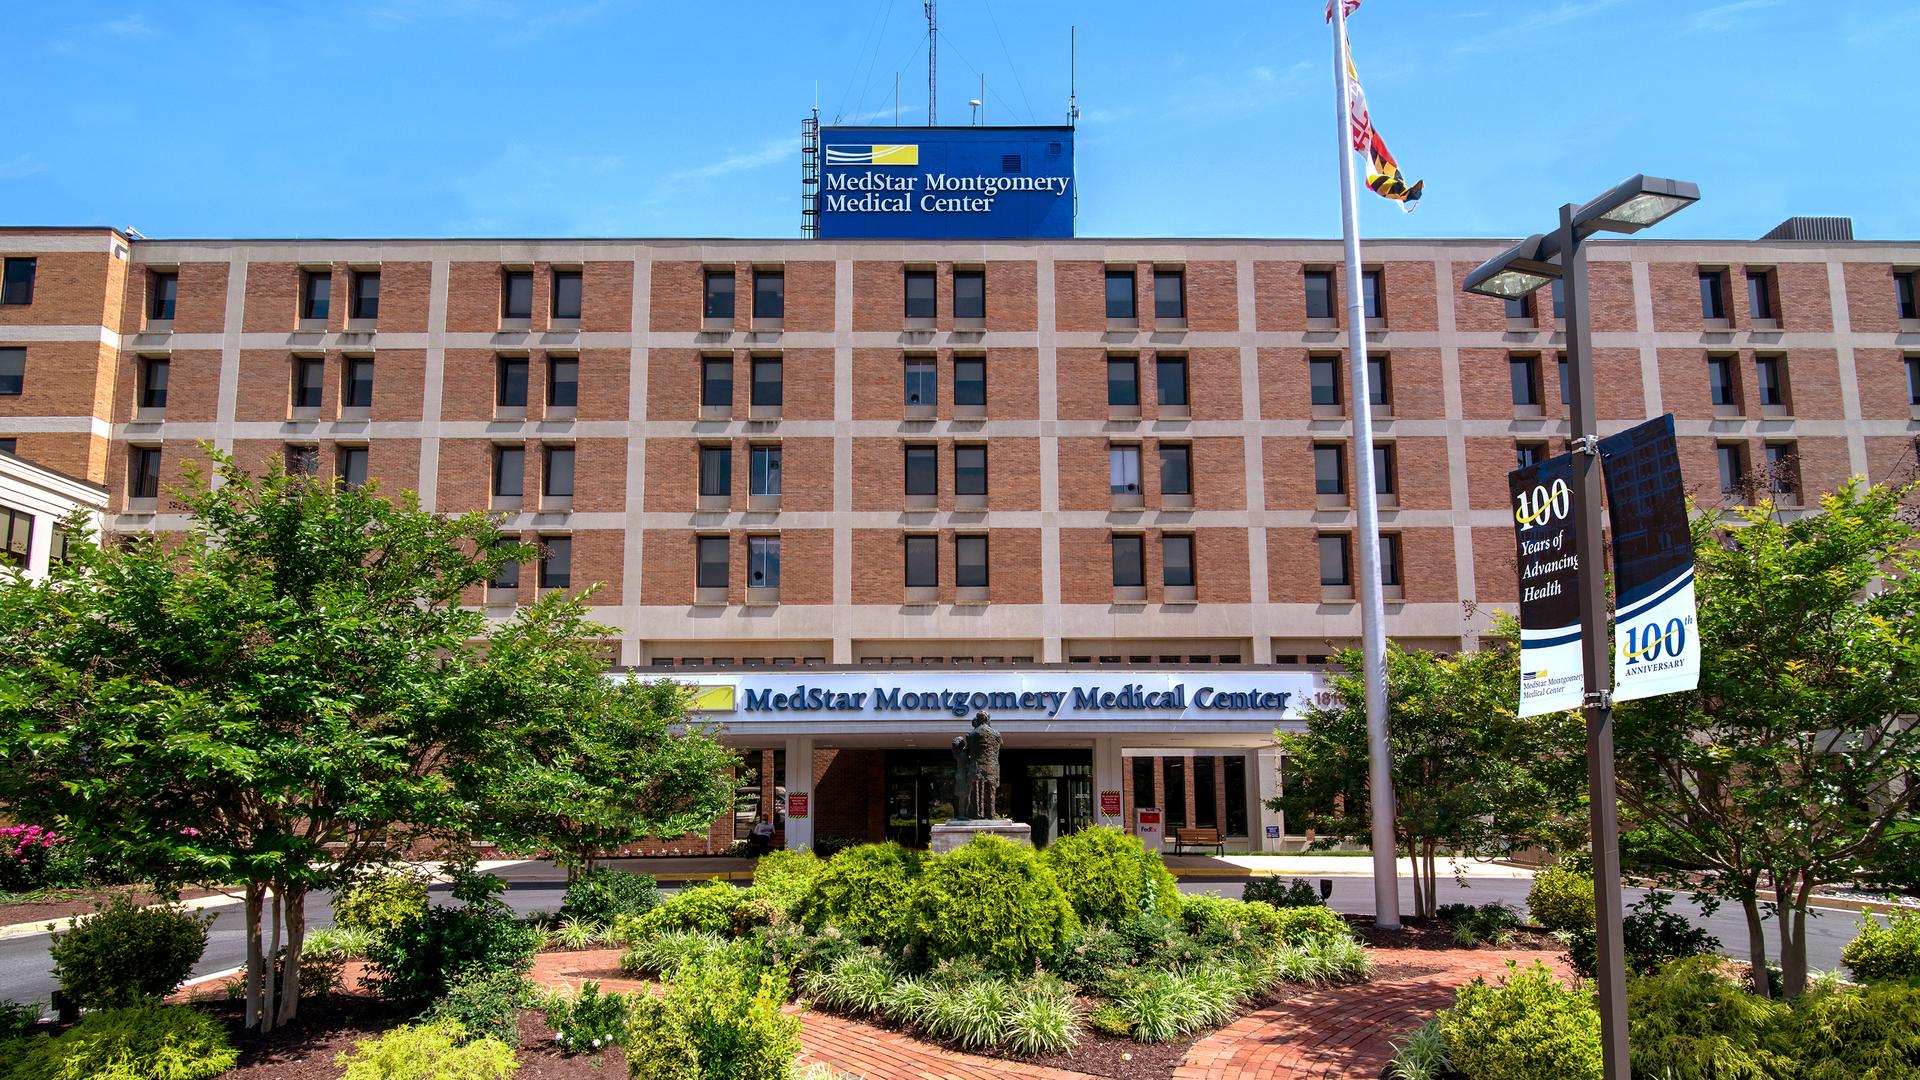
point(1551, 678)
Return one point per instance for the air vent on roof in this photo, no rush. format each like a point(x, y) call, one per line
point(1053, 149)
point(1812, 228)
point(1009, 163)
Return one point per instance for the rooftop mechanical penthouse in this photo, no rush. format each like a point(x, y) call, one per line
point(1011, 468)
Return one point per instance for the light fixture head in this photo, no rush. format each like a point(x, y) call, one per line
point(1636, 203)
point(1515, 272)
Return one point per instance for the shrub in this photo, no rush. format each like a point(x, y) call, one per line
point(1108, 876)
point(714, 907)
point(1111, 1019)
point(782, 878)
point(378, 902)
point(716, 1021)
point(334, 942)
point(1301, 925)
point(485, 1003)
point(1160, 1006)
point(1529, 1027)
point(1493, 922)
point(1093, 957)
point(1283, 892)
point(1043, 1018)
point(1652, 937)
point(1258, 924)
point(1871, 1033)
point(18, 1017)
point(1885, 952)
point(1422, 1055)
point(125, 952)
point(971, 1014)
point(27, 859)
point(867, 892)
point(857, 983)
point(993, 899)
point(419, 957)
point(591, 1022)
point(1689, 1023)
point(437, 1051)
point(1561, 899)
point(667, 952)
point(574, 933)
point(602, 894)
point(148, 1041)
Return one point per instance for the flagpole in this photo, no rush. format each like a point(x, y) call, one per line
point(1373, 612)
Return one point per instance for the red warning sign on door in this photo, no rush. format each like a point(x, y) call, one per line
point(1110, 803)
point(797, 804)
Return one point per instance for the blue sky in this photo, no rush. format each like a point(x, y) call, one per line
point(574, 117)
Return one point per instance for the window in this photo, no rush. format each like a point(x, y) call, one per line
point(710, 563)
point(1906, 290)
point(922, 294)
point(922, 383)
point(1770, 379)
point(1169, 294)
point(309, 376)
point(350, 465)
point(766, 382)
point(1129, 567)
point(1206, 814)
point(507, 576)
point(970, 381)
point(163, 289)
point(1335, 569)
point(1123, 382)
point(1234, 770)
point(16, 283)
point(716, 299)
point(1520, 308)
point(1320, 294)
point(1142, 781)
point(716, 472)
point(923, 562)
point(1913, 380)
point(563, 382)
point(10, 445)
point(13, 371)
point(153, 382)
point(1379, 385)
point(16, 535)
point(970, 562)
point(357, 392)
point(316, 294)
point(143, 473)
point(365, 301)
point(1120, 295)
point(1176, 560)
point(1170, 381)
point(1323, 378)
point(970, 294)
point(1372, 290)
point(1174, 779)
point(1329, 470)
point(516, 296)
point(1560, 375)
point(716, 382)
point(566, 294)
point(1759, 296)
point(1383, 479)
point(1733, 468)
point(970, 469)
point(763, 470)
point(303, 460)
point(769, 294)
point(1526, 454)
point(1783, 470)
point(763, 561)
point(512, 383)
point(1390, 560)
point(1524, 372)
point(556, 562)
point(922, 470)
point(1559, 299)
point(558, 481)
point(1720, 381)
point(1713, 299)
point(509, 471)
point(1176, 469)
point(1123, 470)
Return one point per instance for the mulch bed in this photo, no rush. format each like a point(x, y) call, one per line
point(1107, 1055)
point(1437, 935)
point(67, 902)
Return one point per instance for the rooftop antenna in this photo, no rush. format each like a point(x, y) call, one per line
point(976, 111)
point(980, 104)
point(1073, 47)
point(933, 49)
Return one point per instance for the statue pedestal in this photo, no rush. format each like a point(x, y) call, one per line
point(951, 834)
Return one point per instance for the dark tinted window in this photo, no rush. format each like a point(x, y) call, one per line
point(1913, 380)
point(716, 381)
point(1234, 780)
point(161, 292)
point(1782, 468)
point(1334, 568)
point(763, 470)
point(308, 383)
point(1329, 471)
point(1906, 289)
point(316, 294)
point(508, 575)
point(352, 465)
point(16, 285)
point(1520, 307)
point(922, 385)
point(970, 470)
point(366, 295)
point(153, 382)
point(717, 295)
point(1379, 385)
point(1713, 300)
point(143, 473)
point(1120, 295)
point(1383, 480)
point(13, 371)
point(970, 562)
point(969, 294)
point(1373, 285)
point(566, 294)
point(1732, 468)
point(922, 470)
point(923, 562)
point(1770, 380)
point(1524, 373)
point(1123, 381)
point(763, 562)
point(769, 294)
point(969, 380)
point(716, 471)
point(516, 295)
point(1526, 453)
point(1320, 294)
point(1170, 380)
point(513, 383)
point(1176, 559)
point(559, 472)
point(711, 563)
point(509, 471)
point(767, 390)
point(1323, 376)
point(1128, 569)
point(1559, 299)
point(1169, 294)
point(922, 295)
point(1759, 296)
point(1390, 560)
point(303, 460)
point(1560, 374)
point(358, 391)
point(556, 562)
point(1176, 469)
point(1720, 379)
point(563, 382)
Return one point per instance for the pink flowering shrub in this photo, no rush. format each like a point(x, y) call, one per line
point(26, 852)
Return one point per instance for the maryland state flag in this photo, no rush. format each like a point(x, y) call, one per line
point(1383, 173)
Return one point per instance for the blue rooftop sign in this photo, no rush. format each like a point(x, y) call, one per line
point(958, 183)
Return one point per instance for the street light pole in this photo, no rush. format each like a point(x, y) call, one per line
point(1595, 655)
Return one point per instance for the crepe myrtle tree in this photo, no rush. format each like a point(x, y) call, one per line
point(1792, 765)
point(1469, 776)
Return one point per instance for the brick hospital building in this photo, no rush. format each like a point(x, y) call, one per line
point(1102, 484)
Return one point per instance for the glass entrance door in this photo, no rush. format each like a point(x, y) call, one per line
point(919, 795)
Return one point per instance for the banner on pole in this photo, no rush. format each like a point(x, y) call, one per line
point(1655, 647)
point(1551, 677)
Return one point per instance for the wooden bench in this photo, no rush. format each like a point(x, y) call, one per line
point(1184, 838)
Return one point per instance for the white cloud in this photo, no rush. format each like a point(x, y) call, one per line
point(1542, 19)
point(773, 151)
point(16, 168)
point(134, 25)
point(1726, 16)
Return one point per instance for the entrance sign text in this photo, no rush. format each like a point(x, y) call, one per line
point(945, 183)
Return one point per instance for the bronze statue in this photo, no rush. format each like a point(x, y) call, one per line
point(976, 771)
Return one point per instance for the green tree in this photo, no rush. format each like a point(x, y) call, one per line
point(1791, 763)
point(1468, 775)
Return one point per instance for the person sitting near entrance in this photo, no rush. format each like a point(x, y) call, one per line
point(760, 841)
